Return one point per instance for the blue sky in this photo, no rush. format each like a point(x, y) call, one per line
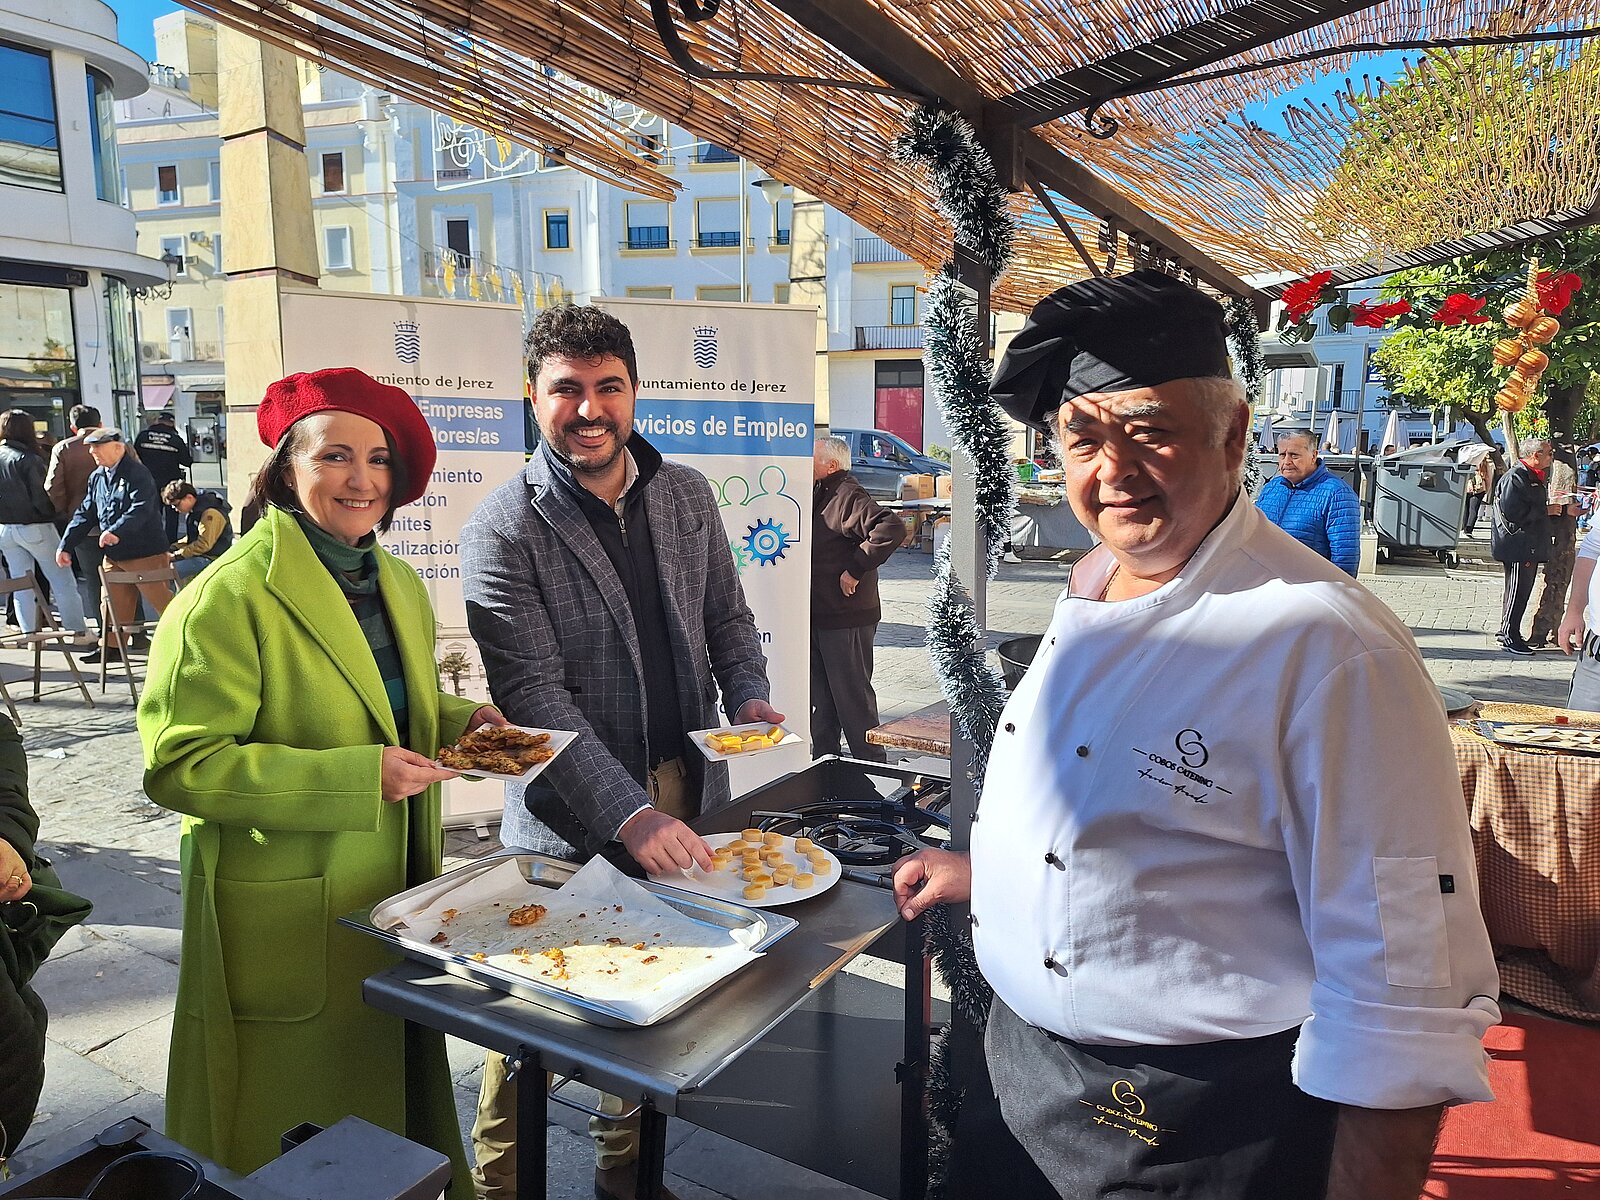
point(133, 23)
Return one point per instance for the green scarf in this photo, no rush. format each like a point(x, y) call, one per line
point(355, 570)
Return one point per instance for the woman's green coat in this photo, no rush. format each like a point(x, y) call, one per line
point(264, 720)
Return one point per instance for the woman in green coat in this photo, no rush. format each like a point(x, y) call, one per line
point(291, 713)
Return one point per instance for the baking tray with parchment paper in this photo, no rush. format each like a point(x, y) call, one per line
point(404, 920)
point(1524, 735)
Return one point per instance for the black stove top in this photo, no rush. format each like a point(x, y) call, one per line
point(875, 832)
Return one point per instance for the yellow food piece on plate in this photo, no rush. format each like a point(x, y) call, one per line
point(774, 858)
point(756, 742)
point(775, 734)
point(764, 878)
point(804, 845)
point(751, 835)
point(803, 882)
point(784, 875)
point(821, 866)
point(754, 891)
point(772, 839)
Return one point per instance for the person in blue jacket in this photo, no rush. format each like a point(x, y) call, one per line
point(1312, 504)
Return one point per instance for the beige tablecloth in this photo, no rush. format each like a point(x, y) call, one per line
point(1536, 829)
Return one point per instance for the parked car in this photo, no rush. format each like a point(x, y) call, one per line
point(879, 460)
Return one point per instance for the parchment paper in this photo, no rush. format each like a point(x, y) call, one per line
point(602, 937)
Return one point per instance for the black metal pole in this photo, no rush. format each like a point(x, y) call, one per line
point(533, 1110)
point(652, 1152)
point(913, 1071)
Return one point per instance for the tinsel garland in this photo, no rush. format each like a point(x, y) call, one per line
point(956, 357)
point(1245, 335)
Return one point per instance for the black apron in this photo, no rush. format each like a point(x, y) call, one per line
point(1215, 1121)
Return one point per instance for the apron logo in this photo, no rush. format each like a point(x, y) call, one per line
point(1182, 772)
point(1122, 1092)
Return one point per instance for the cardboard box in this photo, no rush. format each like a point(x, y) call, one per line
point(916, 487)
point(912, 522)
point(941, 486)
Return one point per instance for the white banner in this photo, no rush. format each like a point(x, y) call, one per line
point(462, 362)
point(728, 389)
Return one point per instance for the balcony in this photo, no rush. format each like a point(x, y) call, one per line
point(649, 237)
point(718, 239)
point(876, 250)
point(888, 337)
point(707, 153)
point(781, 238)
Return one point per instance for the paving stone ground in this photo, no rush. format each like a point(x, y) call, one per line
point(110, 984)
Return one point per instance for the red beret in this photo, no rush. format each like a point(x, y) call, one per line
point(345, 389)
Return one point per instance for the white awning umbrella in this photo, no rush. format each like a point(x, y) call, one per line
point(1391, 432)
point(1268, 440)
point(1330, 435)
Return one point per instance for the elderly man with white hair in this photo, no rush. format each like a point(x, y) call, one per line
point(851, 538)
point(1312, 504)
point(1230, 919)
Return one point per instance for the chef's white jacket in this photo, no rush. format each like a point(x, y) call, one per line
point(1228, 808)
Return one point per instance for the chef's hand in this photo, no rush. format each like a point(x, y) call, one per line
point(663, 845)
point(108, 539)
point(931, 877)
point(757, 710)
point(848, 583)
point(405, 773)
point(15, 882)
point(1570, 636)
point(488, 714)
point(63, 559)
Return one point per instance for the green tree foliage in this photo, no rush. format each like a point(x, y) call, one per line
point(1453, 366)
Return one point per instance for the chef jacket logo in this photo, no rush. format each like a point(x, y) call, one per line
point(1122, 1092)
point(704, 347)
point(1180, 771)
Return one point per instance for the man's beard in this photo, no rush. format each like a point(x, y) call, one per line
point(589, 466)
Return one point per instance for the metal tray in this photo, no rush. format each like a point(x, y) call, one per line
point(1497, 732)
point(544, 871)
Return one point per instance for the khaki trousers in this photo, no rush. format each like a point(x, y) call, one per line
point(123, 598)
point(616, 1143)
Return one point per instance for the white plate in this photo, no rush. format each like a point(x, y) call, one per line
point(730, 885)
point(698, 737)
point(560, 739)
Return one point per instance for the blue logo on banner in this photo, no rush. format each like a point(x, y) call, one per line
point(407, 341)
point(704, 348)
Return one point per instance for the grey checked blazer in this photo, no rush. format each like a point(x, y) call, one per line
point(559, 645)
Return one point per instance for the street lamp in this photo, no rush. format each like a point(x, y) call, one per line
point(162, 291)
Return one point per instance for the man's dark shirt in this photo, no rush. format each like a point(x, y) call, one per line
point(632, 551)
point(164, 451)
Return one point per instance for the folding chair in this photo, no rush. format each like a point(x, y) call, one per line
point(49, 634)
point(122, 635)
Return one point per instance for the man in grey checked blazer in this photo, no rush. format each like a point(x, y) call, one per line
point(604, 599)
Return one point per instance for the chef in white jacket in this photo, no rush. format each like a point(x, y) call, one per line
point(1221, 877)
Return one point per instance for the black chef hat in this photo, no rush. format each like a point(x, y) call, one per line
point(1109, 335)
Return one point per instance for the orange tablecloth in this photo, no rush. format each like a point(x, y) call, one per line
point(1536, 830)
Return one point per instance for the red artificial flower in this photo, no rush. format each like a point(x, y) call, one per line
point(1373, 316)
point(1300, 298)
point(1458, 308)
point(1555, 291)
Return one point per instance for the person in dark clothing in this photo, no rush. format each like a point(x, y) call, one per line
point(1520, 537)
point(166, 453)
point(28, 525)
point(122, 500)
point(66, 481)
point(851, 538)
point(207, 532)
point(602, 592)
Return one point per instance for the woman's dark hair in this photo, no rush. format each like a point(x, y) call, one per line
point(17, 426)
point(273, 484)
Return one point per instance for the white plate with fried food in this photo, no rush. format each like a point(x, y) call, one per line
point(729, 741)
point(505, 751)
point(760, 869)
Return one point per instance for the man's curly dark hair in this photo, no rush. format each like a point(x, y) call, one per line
point(580, 332)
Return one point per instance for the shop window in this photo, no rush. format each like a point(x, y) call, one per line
point(37, 345)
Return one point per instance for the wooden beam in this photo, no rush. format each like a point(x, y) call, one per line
point(1253, 24)
point(865, 35)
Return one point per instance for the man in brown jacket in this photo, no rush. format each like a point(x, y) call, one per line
point(66, 482)
point(851, 538)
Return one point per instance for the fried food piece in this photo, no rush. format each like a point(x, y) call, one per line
point(751, 835)
point(821, 866)
point(755, 891)
point(737, 846)
point(774, 858)
point(784, 874)
point(775, 734)
point(803, 882)
point(651, 959)
point(804, 845)
point(772, 839)
point(500, 748)
point(440, 938)
point(481, 760)
point(528, 914)
point(480, 956)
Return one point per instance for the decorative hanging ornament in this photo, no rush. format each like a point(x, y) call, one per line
point(1527, 364)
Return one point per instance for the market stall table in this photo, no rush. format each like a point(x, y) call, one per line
point(660, 1066)
point(1536, 831)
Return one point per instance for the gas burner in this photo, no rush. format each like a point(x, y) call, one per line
point(870, 833)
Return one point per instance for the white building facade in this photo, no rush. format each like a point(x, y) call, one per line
point(68, 266)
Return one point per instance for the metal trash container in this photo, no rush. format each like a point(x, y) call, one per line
point(1015, 656)
point(1419, 504)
